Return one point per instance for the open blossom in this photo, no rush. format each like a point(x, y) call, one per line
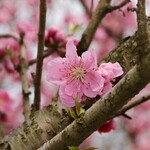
point(76, 75)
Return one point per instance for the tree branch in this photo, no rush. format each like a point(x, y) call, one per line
point(134, 103)
point(38, 125)
point(43, 125)
point(102, 9)
point(24, 80)
point(9, 36)
point(46, 54)
point(37, 79)
point(105, 109)
point(33, 135)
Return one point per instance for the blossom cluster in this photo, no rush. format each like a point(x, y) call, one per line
point(81, 76)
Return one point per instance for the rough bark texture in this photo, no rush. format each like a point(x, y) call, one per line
point(43, 121)
point(44, 125)
point(104, 109)
point(50, 122)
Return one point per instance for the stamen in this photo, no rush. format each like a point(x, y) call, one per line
point(78, 72)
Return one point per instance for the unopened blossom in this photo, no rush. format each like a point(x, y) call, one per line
point(75, 75)
point(108, 126)
point(54, 35)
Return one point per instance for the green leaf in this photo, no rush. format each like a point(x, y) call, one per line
point(82, 110)
point(72, 113)
point(73, 148)
point(77, 105)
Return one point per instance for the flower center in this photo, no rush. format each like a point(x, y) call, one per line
point(78, 72)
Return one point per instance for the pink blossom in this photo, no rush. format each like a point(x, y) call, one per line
point(109, 71)
point(54, 35)
point(75, 75)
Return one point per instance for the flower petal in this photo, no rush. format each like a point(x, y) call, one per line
point(89, 60)
point(107, 88)
point(94, 80)
point(71, 53)
point(57, 71)
point(110, 71)
point(68, 100)
point(88, 91)
point(72, 86)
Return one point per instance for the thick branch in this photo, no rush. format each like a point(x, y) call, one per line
point(30, 136)
point(104, 109)
point(126, 53)
point(37, 79)
point(141, 15)
point(44, 125)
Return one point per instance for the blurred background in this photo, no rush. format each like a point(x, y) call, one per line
point(66, 19)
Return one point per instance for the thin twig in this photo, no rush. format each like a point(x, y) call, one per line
point(85, 7)
point(46, 54)
point(37, 78)
point(9, 36)
point(134, 104)
point(123, 3)
point(91, 8)
point(24, 80)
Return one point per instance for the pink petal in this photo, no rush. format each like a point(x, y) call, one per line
point(72, 86)
point(68, 100)
point(94, 80)
point(89, 60)
point(110, 71)
point(107, 88)
point(57, 72)
point(71, 53)
point(117, 69)
point(88, 91)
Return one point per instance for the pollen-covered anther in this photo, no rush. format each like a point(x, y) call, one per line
point(78, 72)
